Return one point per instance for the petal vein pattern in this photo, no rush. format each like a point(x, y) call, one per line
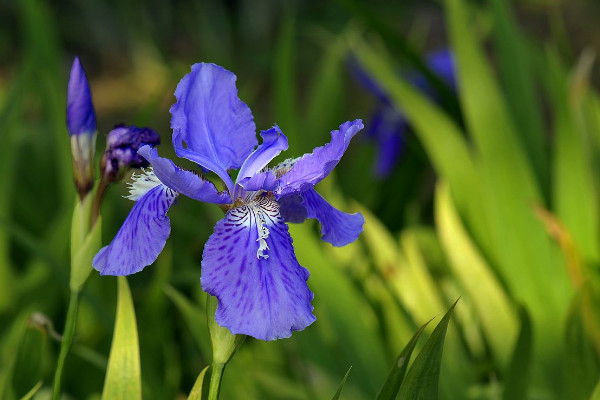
point(264, 297)
point(182, 181)
point(208, 116)
point(314, 167)
point(142, 236)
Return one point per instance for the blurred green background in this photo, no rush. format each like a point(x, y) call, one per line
point(494, 199)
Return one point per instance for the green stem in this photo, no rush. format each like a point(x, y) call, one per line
point(65, 344)
point(216, 375)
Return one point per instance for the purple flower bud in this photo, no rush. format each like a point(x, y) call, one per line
point(122, 145)
point(81, 118)
point(81, 123)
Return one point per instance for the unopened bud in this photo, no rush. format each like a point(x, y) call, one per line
point(81, 123)
point(122, 145)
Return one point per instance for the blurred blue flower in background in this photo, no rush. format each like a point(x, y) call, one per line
point(81, 124)
point(388, 125)
point(248, 262)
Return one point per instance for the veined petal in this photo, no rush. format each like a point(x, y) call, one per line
point(250, 266)
point(312, 168)
point(206, 163)
point(182, 181)
point(210, 118)
point(337, 227)
point(142, 236)
point(261, 181)
point(274, 142)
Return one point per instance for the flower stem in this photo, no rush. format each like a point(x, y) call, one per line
point(216, 375)
point(65, 344)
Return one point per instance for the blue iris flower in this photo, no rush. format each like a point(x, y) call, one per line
point(388, 125)
point(248, 262)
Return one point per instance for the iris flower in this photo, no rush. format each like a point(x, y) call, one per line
point(248, 262)
point(388, 125)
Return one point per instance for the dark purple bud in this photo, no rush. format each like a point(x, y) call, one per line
point(122, 145)
point(81, 123)
point(81, 117)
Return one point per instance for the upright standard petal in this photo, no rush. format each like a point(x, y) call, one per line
point(210, 118)
point(337, 227)
point(274, 142)
point(312, 168)
point(81, 117)
point(250, 266)
point(182, 181)
point(142, 236)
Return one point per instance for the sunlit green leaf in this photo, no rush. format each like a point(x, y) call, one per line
point(422, 379)
point(196, 393)
point(474, 274)
point(338, 392)
point(390, 388)
point(123, 375)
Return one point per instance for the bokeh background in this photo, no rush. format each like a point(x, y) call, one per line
point(493, 197)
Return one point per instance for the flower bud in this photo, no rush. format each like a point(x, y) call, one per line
point(122, 145)
point(81, 123)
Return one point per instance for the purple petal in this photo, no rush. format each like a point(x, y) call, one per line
point(142, 236)
point(312, 168)
point(337, 227)
point(260, 181)
point(206, 164)
point(291, 208)
point(210, 118)
point(182, 181)
point(274, 142)
point(261, 288)
point(81, 117)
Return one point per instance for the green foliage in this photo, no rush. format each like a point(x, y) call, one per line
point(495, 201)
point(123, 375)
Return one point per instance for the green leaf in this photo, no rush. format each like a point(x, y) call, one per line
point(596, 393)
point(123, 375)
point(441, 136)
point(196, 393)
point(518, 371)
point(476, 278)
point(390, 388)
point(581, 365)
point(338, 392)
point(519, 81)
point(509, 188)
point(29, 395)
point(31, 358)
point(284, 79)
point(194, 317)
point(422, 379)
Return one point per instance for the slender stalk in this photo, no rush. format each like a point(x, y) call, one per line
point(100, 192)
point(216, 375)
point(65, 344)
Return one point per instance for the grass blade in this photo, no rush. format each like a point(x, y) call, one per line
point(392, 384)
point(196, 393)
point(338, 392)
point(123, 375)
point(422, 379)
point(517, 374)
